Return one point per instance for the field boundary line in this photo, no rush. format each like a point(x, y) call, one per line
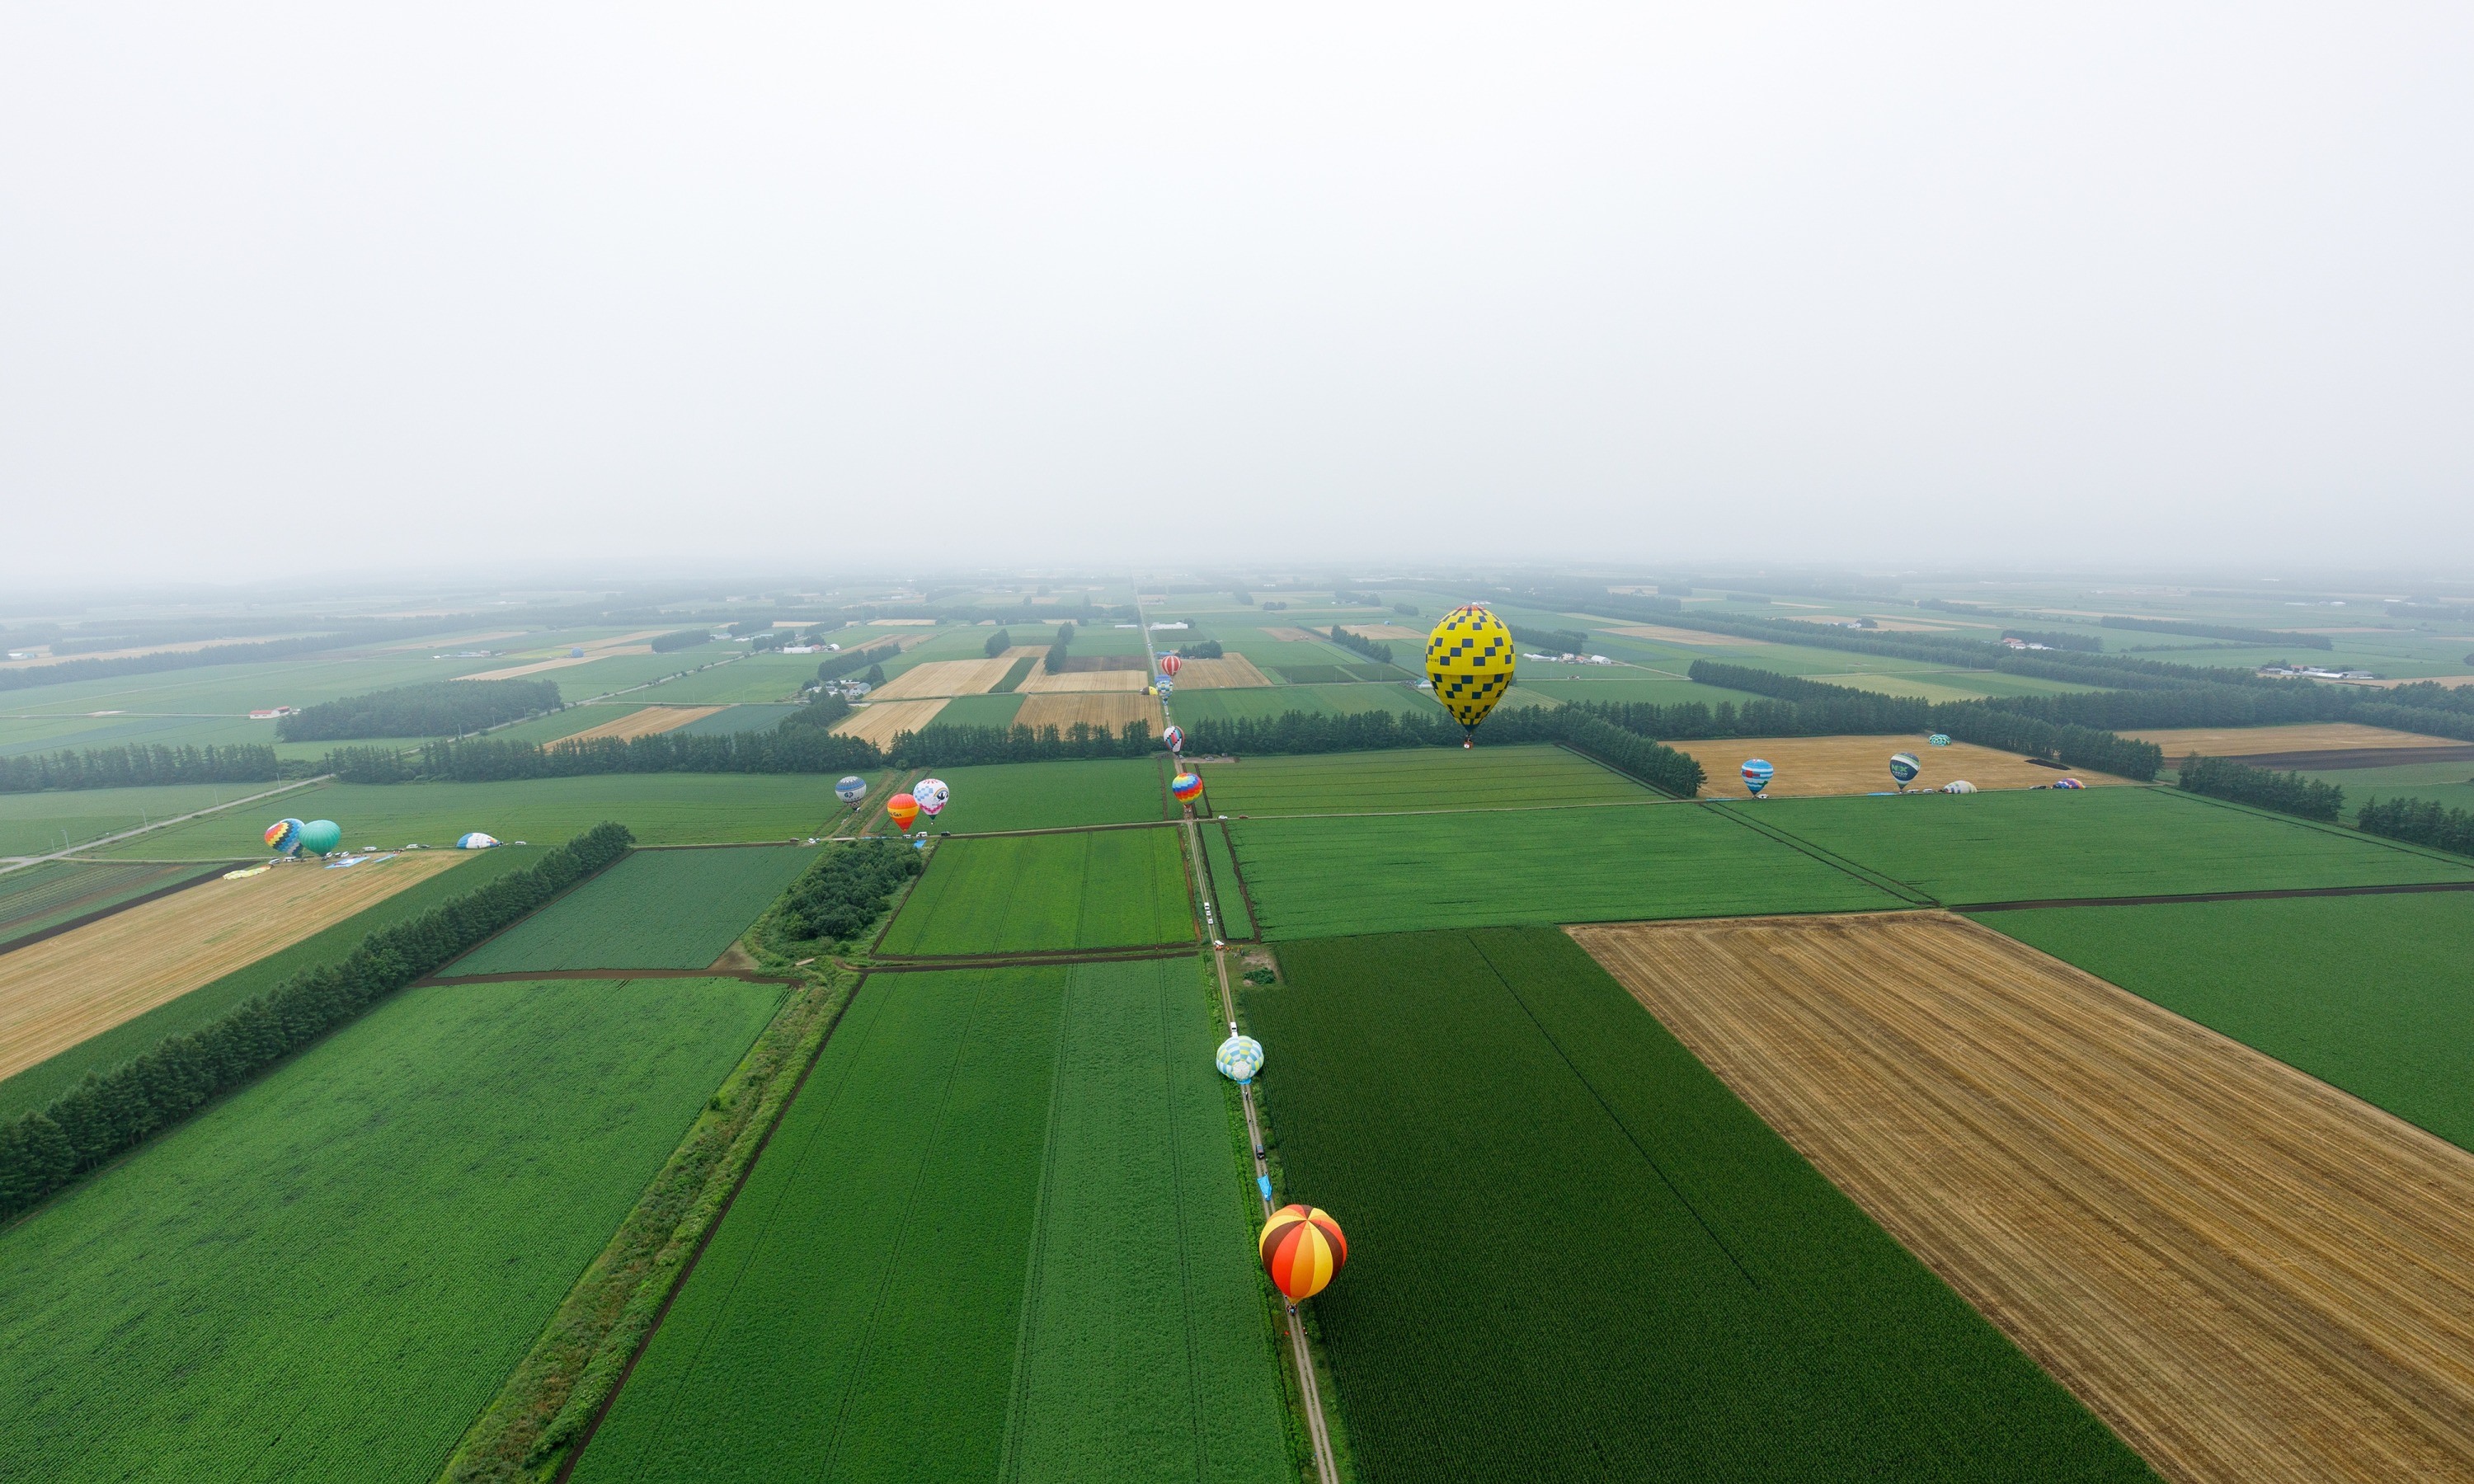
point(529, 976)
point(2341, 831)
point(1237, 869)
point(206, 871)
point(151, 826)
point(1879, 881)
point(1029, 958)
point(1491, 808)
point(687, 1269)
point(2270, 894)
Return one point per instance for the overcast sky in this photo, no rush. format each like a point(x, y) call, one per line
point(502, 285)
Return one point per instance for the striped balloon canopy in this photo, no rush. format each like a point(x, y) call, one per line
point(1239, 1058)
point(1187, 786)
point(1302, 1250)
point(1174, 739)
point(1469, 659)
point(851, 789)
point(1904, 767)
point(1169, 664)
point(2068, 783)
point(1756, 775)
point(902, 810)
point(284, 836)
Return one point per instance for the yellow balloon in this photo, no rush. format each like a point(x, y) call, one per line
point(1468, 657)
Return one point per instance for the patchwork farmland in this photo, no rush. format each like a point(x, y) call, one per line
point(1671, 1137)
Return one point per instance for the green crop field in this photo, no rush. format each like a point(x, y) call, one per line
point(1053, 794)
point(23, 734)
point(2448, 785)
point(327, 1274)
point(568, 723)
point(662, 808)
point(1626, 685)
point(1000, 1233)
point(1415, 778)
point(41, 1083)
point(1009, 894)
point(1265, 703)
point(634, 676)
point(755, 677)
point(1237, 916)
point(656, 909)
point(1320, 877)
point(36, 824)
point(995, 710)
point(2364, 993)
point(37, 898)
point(234, 690)
point(2051, 844)
point(1574, 1255)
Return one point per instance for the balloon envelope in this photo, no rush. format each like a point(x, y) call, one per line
point(1939, 739)
point(1756, 775)
point(931, 794)
point(2068, 783)
point(902, 810)
point(1301, 1249)
point(1169, 664)
point(852, 789)
point(1175, 739)
point(320, 835)
point(1239, 1058)
point(1187, 786)
point(284, 836)
point(1959, 786)
point(476, 841)
point(1904, 767)
point(1468, 658)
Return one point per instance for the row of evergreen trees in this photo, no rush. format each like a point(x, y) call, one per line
point(435, 708)
point(2419, 821)
point(1582, 726)
point(106, 1113)
point(783, 750)
point(2205, 631)
point(1377, 650)
point(137, 766)
point(2286, 793)
point(836, 898)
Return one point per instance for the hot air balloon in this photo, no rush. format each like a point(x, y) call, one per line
point(1169, 664)
point(320, 835)
point(1904, 768)
point(1239, 1058)
point(2067, 783)
point(902, 810)
point(1302, 1250)
point(1756, 775)
point(283, 837)
point(1166, 687)
point(852, 789)
point(476, 841)
point(1187, 786)
point(1958, 786)
point(1939, 739)
point(1174, 739)
point(931, 794)
point(1469, 659)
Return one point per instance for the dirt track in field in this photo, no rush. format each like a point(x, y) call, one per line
point(1810, 767)
point(2251, 1276)
point(645, 722)
point(1230, 672)
point(1111, 710)
point(944, 677)
point(57, 992)
point(879, 722)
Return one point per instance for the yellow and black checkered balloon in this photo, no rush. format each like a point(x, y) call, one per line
point(1468, 657)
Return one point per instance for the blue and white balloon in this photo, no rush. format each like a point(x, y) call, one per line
point(1239, 1058)
point(852, 789)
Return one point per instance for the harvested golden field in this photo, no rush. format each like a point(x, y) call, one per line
point(644, 722)
point(1039, 683)
point(1111, 710)
point(880, 722)
point(1691, 637)
point(1235, 672)
point(1809, 767)
point(59, 991)
point(2250, 1275)
point(596, 649)
point(2270, 741)
point(943, 678)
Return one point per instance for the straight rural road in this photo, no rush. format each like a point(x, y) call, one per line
point(152, 825)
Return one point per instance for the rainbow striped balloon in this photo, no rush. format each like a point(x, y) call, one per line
point(284, 836)
point(1187, 786)
point(2068, 783)
point(1302, 1250)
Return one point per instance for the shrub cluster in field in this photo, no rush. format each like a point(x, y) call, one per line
point(439, 708)
point(106, 1113)
point(2420, 822)
point(2287, 793)
point(137, 766)
point(1372, 649)
point(846, 889)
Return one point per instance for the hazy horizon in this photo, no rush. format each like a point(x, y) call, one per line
point(542, 289)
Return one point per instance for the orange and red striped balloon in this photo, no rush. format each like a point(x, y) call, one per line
point(1301, 1249)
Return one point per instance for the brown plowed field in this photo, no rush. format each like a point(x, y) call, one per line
point(1232, 672)
point(59, 991)
point(2250, 1275)
point(2304, 737)
point(1039, 683)
point(943, 678)
point(645, 722)
point(1809, 767)
point(1099, 708)
point(881, 721)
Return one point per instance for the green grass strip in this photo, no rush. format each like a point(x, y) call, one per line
point(1089, 889)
